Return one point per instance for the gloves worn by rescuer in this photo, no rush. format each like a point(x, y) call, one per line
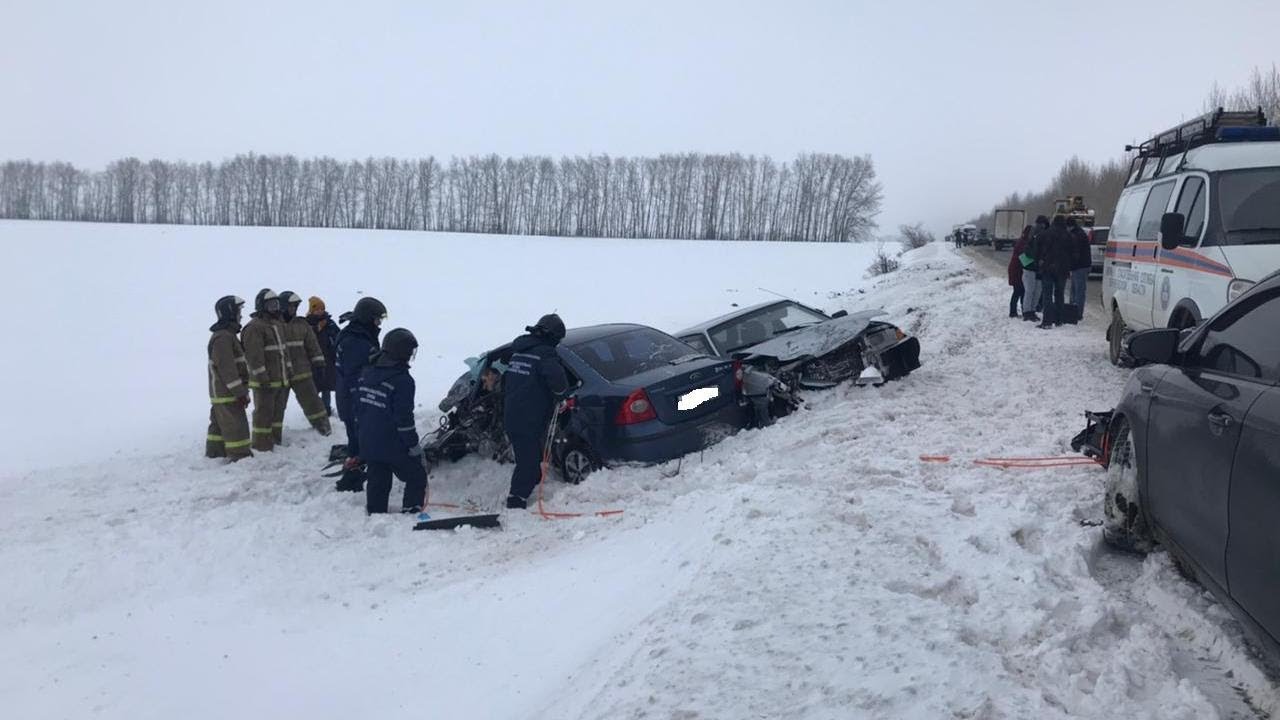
point(243, 401)
point(351, 463)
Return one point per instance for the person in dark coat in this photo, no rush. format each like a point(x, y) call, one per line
point(1054, 259)
point(357, 345)
point(388, 435)
point(1016, 271)
point(327, 333)
point(532, 385)
point(1083, 263)
point(1031, 302)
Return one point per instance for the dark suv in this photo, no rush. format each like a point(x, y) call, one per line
point(1195, 454)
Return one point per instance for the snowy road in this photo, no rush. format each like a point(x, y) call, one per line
point(816, 569)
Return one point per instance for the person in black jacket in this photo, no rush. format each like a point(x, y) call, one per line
point(388, 435)
point(327, 333)
point(357, 346)
point(1054, 261)
point(1080, 268)
point(532, 386)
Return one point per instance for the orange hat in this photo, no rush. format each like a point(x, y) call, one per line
point(315, 306)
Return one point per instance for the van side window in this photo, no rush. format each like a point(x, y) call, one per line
point(1157, 201)
point(1191, 203)
point(1125, 224)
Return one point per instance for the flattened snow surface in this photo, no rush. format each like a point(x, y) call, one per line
point(815, 569)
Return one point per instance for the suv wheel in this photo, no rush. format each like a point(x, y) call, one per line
point(1124, 526)
point(1115, 337)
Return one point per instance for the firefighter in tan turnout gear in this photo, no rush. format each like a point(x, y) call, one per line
point(228, 384)
point(264, 348)
point(305, 357)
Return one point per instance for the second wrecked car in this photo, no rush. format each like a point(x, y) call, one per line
point(806, 347)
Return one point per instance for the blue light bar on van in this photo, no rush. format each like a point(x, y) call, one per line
point(1237, 134)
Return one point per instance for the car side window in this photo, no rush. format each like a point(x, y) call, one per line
point(1191, 203)
point(1244, 340)
point(1157, 201)
point(1125, 223)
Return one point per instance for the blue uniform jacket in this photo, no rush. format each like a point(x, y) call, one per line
point(384, 412)
point(533, 382)
point(357, 344)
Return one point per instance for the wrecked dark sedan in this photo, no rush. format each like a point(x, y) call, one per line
point(806, 347)
point(641, 396)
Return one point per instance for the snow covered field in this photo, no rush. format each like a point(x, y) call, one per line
point(815, 569)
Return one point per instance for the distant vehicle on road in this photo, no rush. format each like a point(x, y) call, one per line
point(983, 238)
point(1197, 224)
point(1193, 450)
point(1008, 228)
point(1098, 235)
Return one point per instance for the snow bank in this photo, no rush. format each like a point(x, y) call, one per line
point(815, 569)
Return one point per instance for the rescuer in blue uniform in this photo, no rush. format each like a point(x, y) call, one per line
point(388, 436)
point(357, 345)
point(532, 385)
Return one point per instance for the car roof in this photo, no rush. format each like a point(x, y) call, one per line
point(704, 326)
point(1232, 156)
point(595, 332)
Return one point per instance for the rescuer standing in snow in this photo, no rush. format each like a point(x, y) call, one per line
point(268, 369)
point(228, 385)
point(304, 357)
point(388, 436)
point(532, 384)
point(357, 344)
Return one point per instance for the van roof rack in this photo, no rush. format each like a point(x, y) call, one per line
point(1208, 128)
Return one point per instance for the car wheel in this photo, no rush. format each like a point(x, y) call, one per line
point(1115, 337)
point(1124, 526)
point(577, 464)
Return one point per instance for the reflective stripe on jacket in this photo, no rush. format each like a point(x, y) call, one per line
point(303, 348)
point(264, 348)
point(228, 369)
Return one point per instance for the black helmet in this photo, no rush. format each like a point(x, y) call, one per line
point(289, 301)
point(549, 327)
point(1042, 221)
point(399, 345)
point(228, 308)
point(266, 301)
point(370, 311)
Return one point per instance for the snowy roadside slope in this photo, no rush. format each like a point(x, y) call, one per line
point(816, 569)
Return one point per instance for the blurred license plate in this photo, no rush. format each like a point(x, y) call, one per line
point(694, 398)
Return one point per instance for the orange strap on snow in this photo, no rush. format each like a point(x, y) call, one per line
point(1034, 463)
point(546, 515)
point(935, 458)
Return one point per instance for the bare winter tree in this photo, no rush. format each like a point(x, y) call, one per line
point(914, 236)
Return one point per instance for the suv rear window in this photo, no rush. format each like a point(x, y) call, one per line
point(1098, 236)
point(631, 352)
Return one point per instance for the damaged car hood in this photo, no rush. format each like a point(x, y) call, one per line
point(815, 340)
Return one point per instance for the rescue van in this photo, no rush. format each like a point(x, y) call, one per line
point(1197, 224)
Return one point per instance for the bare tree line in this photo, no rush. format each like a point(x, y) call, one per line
point(825, 198)
point(1101, 184)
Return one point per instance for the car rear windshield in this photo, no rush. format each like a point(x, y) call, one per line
point(1249, 203)
point(1100, 236)
point(632, 352)
point(763, 324)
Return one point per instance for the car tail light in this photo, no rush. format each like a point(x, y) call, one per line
point(635, 409)
point(738, 375)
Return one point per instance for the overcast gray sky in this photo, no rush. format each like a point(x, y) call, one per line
point(957, 102)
